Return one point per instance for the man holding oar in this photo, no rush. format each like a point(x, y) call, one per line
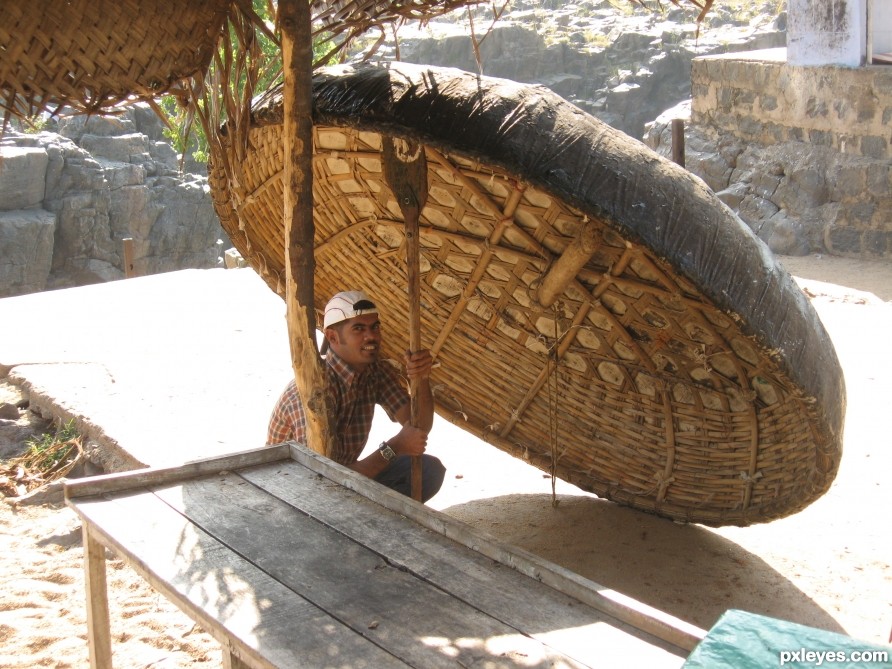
point(359, 380)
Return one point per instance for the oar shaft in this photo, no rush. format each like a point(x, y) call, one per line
point(405, 170)
point(413, 267)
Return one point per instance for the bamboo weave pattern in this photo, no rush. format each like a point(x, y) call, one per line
point(659, 400)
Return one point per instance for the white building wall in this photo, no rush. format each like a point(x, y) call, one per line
point(881, 26)
point(828, 32)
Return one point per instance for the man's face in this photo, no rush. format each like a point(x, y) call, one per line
point(356, 341)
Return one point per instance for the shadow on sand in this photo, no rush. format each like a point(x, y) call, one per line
point(687, 571)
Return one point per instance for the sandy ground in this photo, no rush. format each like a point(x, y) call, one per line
point(829, 566)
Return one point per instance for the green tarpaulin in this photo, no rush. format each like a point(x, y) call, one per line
point(741, 640)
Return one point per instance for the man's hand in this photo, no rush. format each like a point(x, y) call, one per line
point(409, 441)
point(418, 369)
point(418, 364)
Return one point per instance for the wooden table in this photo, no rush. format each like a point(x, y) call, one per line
point(289, 559)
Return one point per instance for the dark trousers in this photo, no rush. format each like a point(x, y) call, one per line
point(398, 476)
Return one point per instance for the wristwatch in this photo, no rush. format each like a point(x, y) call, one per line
point(386, 451)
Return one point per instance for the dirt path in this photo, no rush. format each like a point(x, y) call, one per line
point(828, 566)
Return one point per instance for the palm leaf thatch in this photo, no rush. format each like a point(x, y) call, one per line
point(90, 56)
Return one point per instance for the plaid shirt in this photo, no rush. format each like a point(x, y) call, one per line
point(353, 397)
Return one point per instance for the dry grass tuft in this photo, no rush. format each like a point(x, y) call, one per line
point(48, 458)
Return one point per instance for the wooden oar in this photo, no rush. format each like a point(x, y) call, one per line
point(405, 169)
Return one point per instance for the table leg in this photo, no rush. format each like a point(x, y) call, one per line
point(97, 602)
point(231, 661)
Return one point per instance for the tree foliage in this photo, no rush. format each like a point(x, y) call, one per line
point(189, 138)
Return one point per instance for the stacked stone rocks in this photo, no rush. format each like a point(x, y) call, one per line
point(69, 198)
point(802, 154)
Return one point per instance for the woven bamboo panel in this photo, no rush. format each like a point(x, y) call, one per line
point(634, 384)
point(91, 54)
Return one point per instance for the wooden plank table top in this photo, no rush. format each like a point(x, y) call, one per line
point(292, 560)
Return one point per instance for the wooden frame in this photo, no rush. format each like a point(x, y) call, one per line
point(611, 602)
point(240, 653)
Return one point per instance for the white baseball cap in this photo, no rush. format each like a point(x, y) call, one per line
point(345, 305)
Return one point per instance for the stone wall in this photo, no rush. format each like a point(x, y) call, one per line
point(801, 154)
point(824, 32)
point(69, 198)
point(758, 97)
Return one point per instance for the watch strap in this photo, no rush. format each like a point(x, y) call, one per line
point(386, 451)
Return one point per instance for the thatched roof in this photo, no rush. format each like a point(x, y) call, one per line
point(91, 55)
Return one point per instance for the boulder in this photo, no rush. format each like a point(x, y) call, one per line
point(75, 127)
point(131, 148)
point(101, 181)
point(185, 230)
point(26, 250)
point(232, 259)
point(624, 68)
point(22, 176)
point(797, 197)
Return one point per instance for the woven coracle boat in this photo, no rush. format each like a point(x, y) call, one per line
point(594, 308)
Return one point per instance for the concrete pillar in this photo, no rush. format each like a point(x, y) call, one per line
point(827, 32)
point(881, 26)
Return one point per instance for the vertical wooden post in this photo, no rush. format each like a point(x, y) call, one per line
point(309, 374)
point(678, 141)
point(405, 169)
point(231, 661)
point(98, 633)
point(413, 270)
point(129, 271)
point(869, 30)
